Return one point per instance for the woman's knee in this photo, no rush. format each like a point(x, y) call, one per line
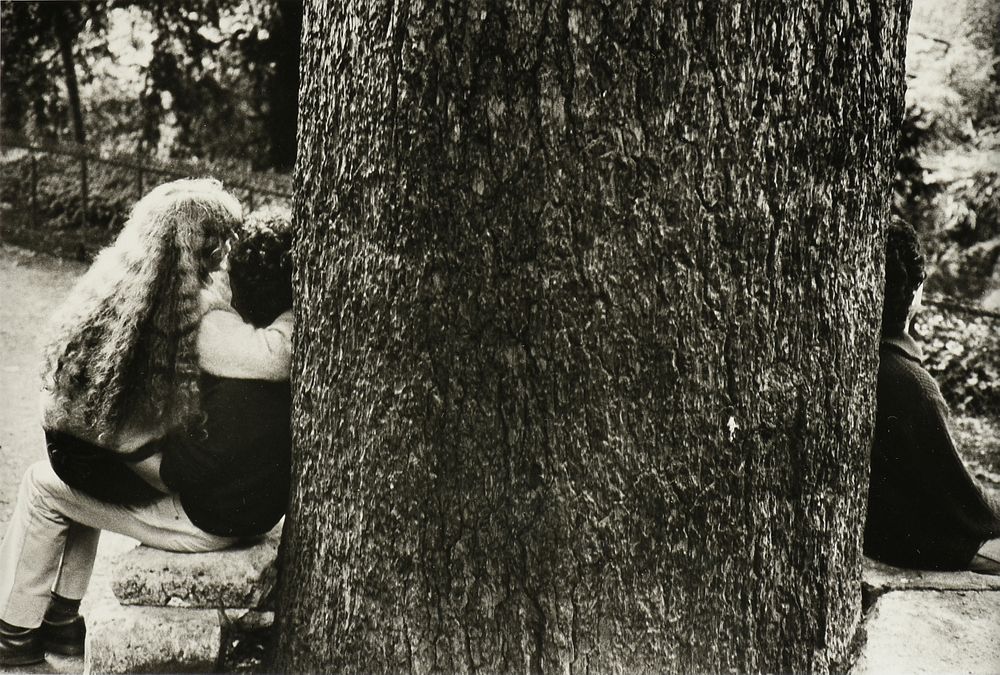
point(41, 479)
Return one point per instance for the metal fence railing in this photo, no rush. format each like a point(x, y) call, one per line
point(69, 185)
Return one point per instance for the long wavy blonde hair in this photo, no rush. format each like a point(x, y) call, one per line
point(123, 350)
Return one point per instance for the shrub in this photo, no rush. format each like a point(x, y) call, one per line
point(56, 221)
point(912, 194)
point(963, 245)
point(976, 215)
point(963, 354)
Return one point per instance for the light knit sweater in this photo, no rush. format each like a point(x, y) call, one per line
point(227, 347)
point(230, 347)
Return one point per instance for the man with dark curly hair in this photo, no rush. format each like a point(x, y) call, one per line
point(925, 510)
point(233, 479)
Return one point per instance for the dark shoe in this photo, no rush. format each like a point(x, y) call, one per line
point(984, 565)
point(21, 647)
point(66, 637)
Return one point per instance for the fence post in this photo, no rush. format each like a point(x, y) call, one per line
point(84, 189)
point(250, 199)
point(142, 188)
point(34, 190)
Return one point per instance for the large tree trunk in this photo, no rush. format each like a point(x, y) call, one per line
point(588, 300)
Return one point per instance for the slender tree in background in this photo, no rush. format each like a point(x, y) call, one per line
point(588, 299)
point(283, 84)
point(237, 87)
point(28, 79)
point(67, 24)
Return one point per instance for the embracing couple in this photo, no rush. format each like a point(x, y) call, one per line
point(165, 404)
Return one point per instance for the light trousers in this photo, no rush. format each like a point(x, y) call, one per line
point(51, 541)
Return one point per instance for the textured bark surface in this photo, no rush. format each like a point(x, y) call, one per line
point(588, 298)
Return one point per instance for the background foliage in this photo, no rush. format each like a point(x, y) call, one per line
point(198, 79)
point(948, 187)
point(212, 82)
point(963, 354)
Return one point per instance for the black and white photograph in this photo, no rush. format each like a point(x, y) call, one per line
point(500, 336)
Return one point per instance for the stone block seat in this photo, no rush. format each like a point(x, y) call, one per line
point(172, 612)
point(920, 621)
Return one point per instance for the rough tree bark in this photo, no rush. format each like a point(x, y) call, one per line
point(587, 303)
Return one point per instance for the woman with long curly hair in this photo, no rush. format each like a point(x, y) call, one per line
point(122, 366)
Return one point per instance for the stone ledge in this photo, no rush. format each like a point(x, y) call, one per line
point(879, 578)
point(932, 631)
point(240, 577)
point(152, 640)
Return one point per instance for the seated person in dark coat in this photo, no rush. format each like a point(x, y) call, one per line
point(925, 510)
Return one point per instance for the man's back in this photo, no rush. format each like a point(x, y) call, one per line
point(235, 480)
point(924, 509)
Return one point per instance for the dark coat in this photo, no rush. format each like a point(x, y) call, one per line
point(924, 508)
point(234, 479)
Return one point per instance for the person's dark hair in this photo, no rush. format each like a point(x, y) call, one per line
point(260, 266)
point(904, 272)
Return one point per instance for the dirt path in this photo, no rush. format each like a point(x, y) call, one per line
point(31, 285)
